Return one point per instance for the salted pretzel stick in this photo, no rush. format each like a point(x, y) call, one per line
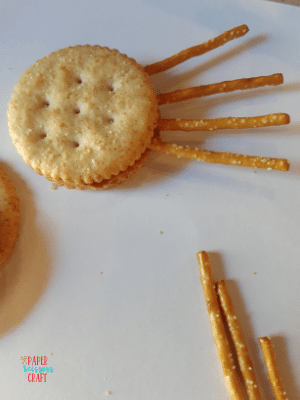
point(222, 158)
point(222, 87)
point(243, 357)
point(194, 51)
point(230, 376)
point(271, 364)
point(188, 125)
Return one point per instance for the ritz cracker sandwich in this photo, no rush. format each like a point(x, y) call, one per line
point(84, 117)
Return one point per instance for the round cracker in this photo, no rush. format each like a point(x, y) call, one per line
point(9, 217)
point(83, 114)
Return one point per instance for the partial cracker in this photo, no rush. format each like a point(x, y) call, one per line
point(9, 217)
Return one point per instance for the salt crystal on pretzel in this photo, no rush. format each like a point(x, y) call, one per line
point(230, 375)
point(272, 368)
point(243, 357)
point(198, 50)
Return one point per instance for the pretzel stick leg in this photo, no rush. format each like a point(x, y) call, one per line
point(196, 50)
point(188, 125)
point(271, 364)
point(239, 342)
point(222, 87)
point(231, 379)
point(222, 158)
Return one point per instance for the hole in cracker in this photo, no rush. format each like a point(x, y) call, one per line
point(42, 135)
point(108, 120)
point(107, 85)
point(75, 144)
point(78, 80)
point(76, 110)
point(45, 103)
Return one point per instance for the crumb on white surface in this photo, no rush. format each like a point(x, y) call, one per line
point(50, 354)
point(107, 392)
point(160, 232)
point(54, 186)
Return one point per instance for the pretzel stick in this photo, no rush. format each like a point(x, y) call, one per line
point(222, 87)
point(238, 341)
point(230, 376)
point(271, 364)
point(194, 51)
point(222, 158)
point(188, 125)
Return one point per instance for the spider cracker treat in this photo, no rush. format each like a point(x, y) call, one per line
point(83, 116)
point(9, 218)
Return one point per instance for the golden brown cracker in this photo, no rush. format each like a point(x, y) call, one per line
point(9, 217)
point(83, 114)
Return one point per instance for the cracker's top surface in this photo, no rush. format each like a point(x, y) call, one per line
point(82, 114)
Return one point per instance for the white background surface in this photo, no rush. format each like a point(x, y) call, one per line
point(140, 329)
